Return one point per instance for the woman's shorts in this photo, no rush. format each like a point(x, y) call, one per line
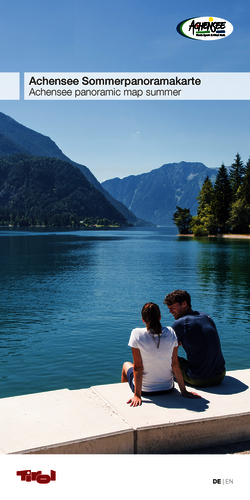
point(130, 377)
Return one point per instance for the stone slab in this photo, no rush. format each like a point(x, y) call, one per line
point(62, 422)
point(171, 423)
point(98, 420)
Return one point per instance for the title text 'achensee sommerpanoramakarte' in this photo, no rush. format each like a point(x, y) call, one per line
point(94, 83)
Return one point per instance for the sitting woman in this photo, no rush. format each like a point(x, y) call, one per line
point(155, 357)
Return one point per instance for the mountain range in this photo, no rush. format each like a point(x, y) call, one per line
point(18, 139)
point(151, 196)
point(154, 195)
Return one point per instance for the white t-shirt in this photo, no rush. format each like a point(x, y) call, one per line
point(157, 363)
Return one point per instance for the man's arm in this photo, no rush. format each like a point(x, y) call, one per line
point(138, 370)
point(178, 375)
point(178, 328)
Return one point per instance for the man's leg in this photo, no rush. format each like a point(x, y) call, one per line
point(209, 382)
point(199, 382)
point(125, 368)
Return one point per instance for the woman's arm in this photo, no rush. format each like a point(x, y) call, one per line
point(138, 370)
point(178, 375)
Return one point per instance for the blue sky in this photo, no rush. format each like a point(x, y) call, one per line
point(120, 138)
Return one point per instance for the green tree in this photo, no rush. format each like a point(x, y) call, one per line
point(236, 174)
point(182, 219)
point(245, 189)
point(222, 198)
point(206, 196)
point(240, 217)
point(205, 222)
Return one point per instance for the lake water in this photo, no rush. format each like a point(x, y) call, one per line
point(69, 299)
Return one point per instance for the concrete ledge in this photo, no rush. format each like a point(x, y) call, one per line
point(62, 422)
point(98, 420)
point(193, 435)
point(171, 423)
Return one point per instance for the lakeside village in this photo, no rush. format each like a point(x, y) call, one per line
point(67, 222)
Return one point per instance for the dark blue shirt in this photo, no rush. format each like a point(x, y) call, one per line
point(199, 338)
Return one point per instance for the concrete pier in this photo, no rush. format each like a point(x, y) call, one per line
point(98, 420)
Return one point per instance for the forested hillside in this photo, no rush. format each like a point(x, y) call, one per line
point(49, 191)
point(16, 138)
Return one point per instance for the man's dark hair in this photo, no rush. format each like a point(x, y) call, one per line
point(177, 296)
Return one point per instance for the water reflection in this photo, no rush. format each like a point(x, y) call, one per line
point(225, 266)
point(70, 299)
point(224, 279)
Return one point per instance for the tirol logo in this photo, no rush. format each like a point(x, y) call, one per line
point(205, 28)
point(28, 476)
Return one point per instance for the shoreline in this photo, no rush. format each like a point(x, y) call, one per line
point(233, 236)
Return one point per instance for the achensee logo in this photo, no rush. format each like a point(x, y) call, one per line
point(205, 28)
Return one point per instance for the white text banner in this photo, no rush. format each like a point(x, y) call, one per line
point(137, 86)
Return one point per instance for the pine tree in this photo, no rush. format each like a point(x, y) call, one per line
point(222, 198)
point(206, 196)
point(236, 174)
point(245, 190)
point(205, 222)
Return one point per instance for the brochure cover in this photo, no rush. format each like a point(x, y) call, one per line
point(122, 89)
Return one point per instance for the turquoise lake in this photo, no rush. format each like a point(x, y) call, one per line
point(69, 299)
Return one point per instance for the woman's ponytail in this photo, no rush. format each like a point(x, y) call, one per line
point(151, 315)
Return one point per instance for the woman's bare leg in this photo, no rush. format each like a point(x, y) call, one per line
point(125, 368)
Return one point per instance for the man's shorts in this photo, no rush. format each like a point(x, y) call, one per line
point(130, 377)
point(209, 382)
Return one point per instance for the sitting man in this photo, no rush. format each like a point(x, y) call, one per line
point(197, 333)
